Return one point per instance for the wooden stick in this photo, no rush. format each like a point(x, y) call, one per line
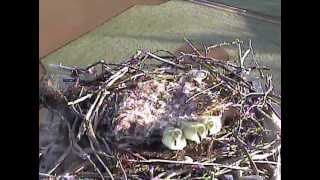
point(165, 61)
point(187, 163)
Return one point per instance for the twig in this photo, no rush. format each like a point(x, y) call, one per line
point(173, 174)
point(67, 152)
point(108, 149)
point(255, 168)
point(66, 68)
point(269, 80)
point(90, 131)
point(221, 44)
point(61, 159)
point(266, 162)
point(193, 48)
point(253, 57)
point(269, 117)
point(266, 155)
point(95, 166)
point(205, 50)
point(165, 61)
point(103, 96)
point(79, 167)
point(115, 77)
point(224, 171)
point(122, 169)
point(164, 51)
point(244, 57)
point(86, 122)
point(101, 162)
point(46, 175)
point(240, 54)
point(188, 163)
point(221, 64)
point(206, 90)
point(80, 99)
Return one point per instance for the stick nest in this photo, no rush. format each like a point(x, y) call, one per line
point(105, 132)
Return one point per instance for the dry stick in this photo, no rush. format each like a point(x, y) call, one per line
point(91, 133)
point(108, 83)
point(255, 168)
point(88, 175)
point(193, 48)
point(116, 76)
point(75, 110)
point(275, 99)
point(266, 115)
point(105, 144)
point(61, 159)
point(220, 45)
point(268, 147)
point(263, 156)
point(254, 59)
point(90, 111)
point(95, 64)
point(244, 57)
point(208, 89)
point(257, 122)
point(131, 78)
point(221, 64)
point(96, 105)
point(205, 50)
point(104, 94)
point(66, 68)
point(269, 79)
point(100, 160)
point(142, 62)
point(266, 162)
point(81, 92)
point(276, 117)
point(240, 158)
point(80, 152)
point(164, 51)
point(86, 121)
point(121, 167)
point(95, 119)
point(79, 167)
point(47, 175)
point(224, 171)
point(187, 163)
point(160, 175)
point(173, 174)
point(95, 167)
point(240, 54)
point(253, 94)
point(65, 154)
point(80, 99)
point(165, 61)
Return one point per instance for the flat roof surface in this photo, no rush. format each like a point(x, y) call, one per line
point(164, 27)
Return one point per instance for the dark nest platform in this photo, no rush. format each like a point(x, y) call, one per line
point(96, 123)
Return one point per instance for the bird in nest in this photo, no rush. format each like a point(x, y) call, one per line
point(180, 110)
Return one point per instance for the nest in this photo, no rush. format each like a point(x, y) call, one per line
point(111, 118)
